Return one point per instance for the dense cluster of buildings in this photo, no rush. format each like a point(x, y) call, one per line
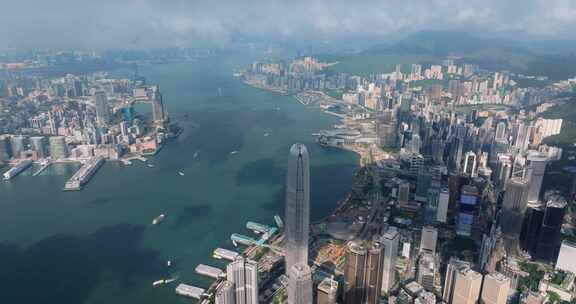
point(77, 117)
point(460, 84)
point(451, 204)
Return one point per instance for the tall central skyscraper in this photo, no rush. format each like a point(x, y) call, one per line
point(297, 206)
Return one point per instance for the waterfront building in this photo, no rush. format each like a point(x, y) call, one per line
point(243, 273)
point(297, 206)
point(158, 110)
point(58, 148)
point(18, 145)
point(102, 110)
point(327, 291)
point(38, 144)
point(299, 284)
point(389, 240)
point(225, 293)
point(363, 273)
point(495, 289)
point(5, 151)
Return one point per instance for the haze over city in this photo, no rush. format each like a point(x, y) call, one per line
point(146, 23)
point(288, 152)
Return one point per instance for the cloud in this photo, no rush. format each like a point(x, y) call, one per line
point(109, 23)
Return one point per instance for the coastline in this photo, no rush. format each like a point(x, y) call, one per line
point(323, 102)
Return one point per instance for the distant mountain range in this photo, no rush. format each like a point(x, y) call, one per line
point(532, 56)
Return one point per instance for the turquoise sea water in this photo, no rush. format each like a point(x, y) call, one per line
point(98, 246)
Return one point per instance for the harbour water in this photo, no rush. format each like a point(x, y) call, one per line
point(98, 245)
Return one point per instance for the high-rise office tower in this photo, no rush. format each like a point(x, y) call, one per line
point(443, 200)
point(454, 267)
point(389, 240)
point(500, 131)
point(354, 272)
point(470, 164)
point(299, 284)
point(404, 192)
point(363, 273)
point(549, 239)
point(495, 289)
point(297, 206)
point(467, 287)
point(327, 292)
point(58, 148)
point(462, 284)
point(536, 167)
point(225, 293)
point(513, 208)
point(531, 226)
point(38, 144)
point(426, 271)
point(428, 239)
point(101, 105)
point(243, 273)
point(158, 110)
point(503, 169)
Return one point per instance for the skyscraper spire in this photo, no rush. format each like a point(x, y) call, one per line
point(297, 206)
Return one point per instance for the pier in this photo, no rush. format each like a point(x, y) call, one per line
point(17, 169)
point(209, 271)
point(221, 253)
point(44, 166)
point(84, 174)
point(190, 291)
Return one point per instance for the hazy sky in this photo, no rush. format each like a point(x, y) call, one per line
point(124, 23)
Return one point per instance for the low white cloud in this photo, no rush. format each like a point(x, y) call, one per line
point(114, 22)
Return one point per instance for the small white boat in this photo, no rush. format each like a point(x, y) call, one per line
point(181, 173)
point(195, 155)
point(234, 152)
point(150, 165)
point(162, 282)
point(168, 263)
point(266, 134)
point(157, 220)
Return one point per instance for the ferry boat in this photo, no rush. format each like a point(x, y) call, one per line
point(157, 220)
point(162, 282)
